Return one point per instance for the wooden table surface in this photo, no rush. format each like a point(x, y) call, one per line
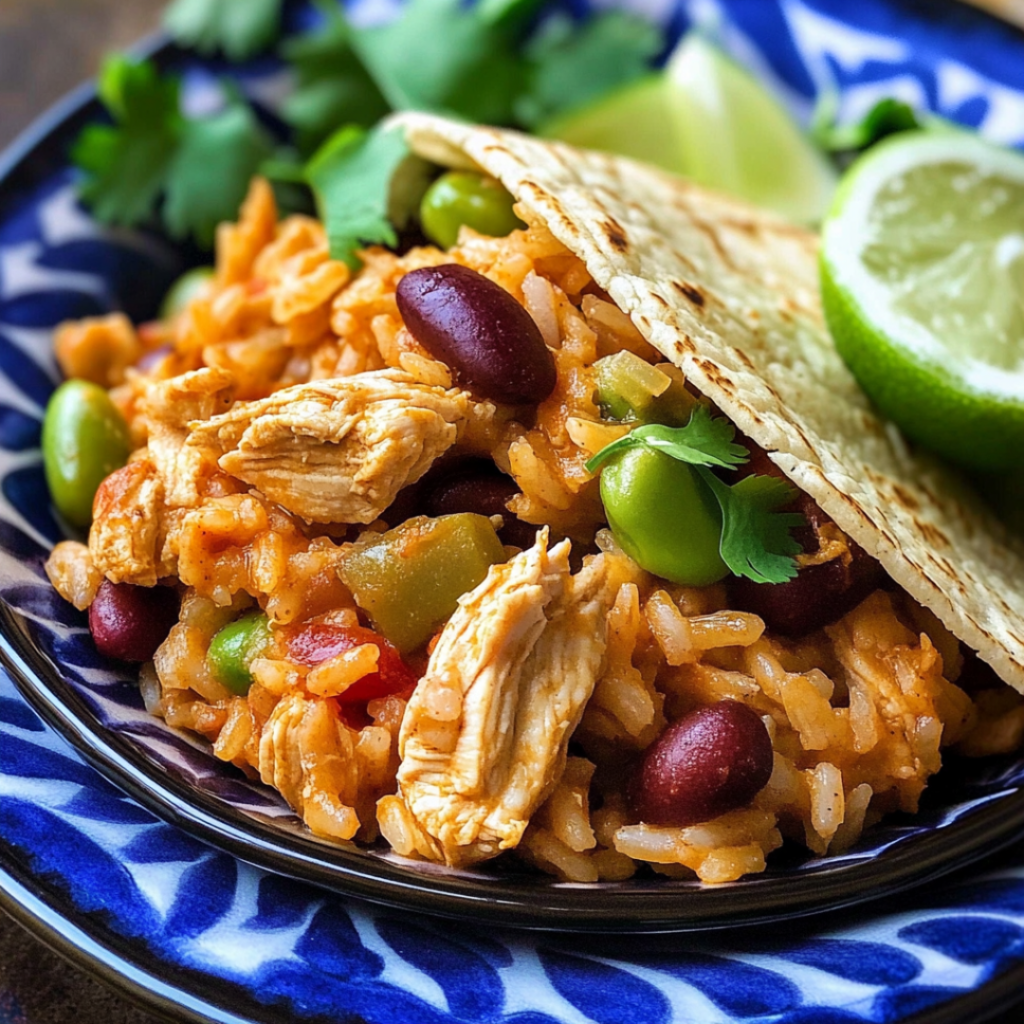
point(46, 48)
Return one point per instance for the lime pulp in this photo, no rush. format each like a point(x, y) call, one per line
point(922, 267)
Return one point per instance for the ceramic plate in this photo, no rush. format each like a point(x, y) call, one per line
point(55, 263)
point(203, 936)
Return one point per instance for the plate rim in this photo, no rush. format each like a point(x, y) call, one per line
point(180, 804)
point(153, 984)
point(995, 825)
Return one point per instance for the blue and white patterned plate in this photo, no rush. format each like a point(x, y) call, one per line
point(203, 930)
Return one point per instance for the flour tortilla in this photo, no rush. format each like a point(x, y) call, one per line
point(729, 294)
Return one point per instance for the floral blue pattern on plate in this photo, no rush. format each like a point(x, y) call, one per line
point(193, 927)
point(149, 900)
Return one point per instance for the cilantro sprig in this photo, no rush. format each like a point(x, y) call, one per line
point(476, 61)
point(482, 61)
point(152, 160)
point(570, 65)
point(237, 28)
point(888, 116)
point(126, 163)
point(333, 89)
point(704, 441)
point(448, 57)
point(756, 541)
point(366, 185)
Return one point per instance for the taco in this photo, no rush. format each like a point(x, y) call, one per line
point(320, 458)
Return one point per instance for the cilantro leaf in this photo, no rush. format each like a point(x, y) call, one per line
point(704, 441)
point(886, 117)
point(448, 57)
point(333, 88)
point(238, 28)
point(211, 170)
point(756, 541)
point(364, 184)
point(126, 164)
point(572, 65)
point(200, 168)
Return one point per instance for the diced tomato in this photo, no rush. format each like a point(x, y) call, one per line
point(316, 643)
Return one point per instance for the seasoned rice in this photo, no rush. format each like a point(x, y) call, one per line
point(857, 713)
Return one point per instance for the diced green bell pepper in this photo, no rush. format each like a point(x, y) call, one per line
point(631, 389)
point(409, 580)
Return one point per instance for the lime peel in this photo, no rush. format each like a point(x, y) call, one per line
point(706, 118)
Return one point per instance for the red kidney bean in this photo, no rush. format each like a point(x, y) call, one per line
point(476, 485)
point(713, 760)
point(479, 331)
point(819, 594)
point(129, 622)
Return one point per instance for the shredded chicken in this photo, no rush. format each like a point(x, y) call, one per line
point(307, 754)
point(339, 451)
point(124, 540)
point(169, 407)
point(138, 509)
point(485, 735)
point(73, 574)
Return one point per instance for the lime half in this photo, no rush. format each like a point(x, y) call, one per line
point(706, 118)
point(922, 266)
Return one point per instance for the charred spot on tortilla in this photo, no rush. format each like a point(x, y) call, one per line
point(690, 291)
point(505, 153)
point(616, 234)
point(910, 502)
point(749, 227)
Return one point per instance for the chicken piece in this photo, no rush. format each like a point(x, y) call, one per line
point(138, 509)
point(339, 451)
point(310, 757)
point(169, 407)
point(73, 574)
point(485, 734)
point(125, 539)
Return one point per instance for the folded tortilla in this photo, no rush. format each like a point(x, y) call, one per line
point(729, 293)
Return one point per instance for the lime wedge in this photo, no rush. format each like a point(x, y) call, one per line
point(707, 119)
point(634, 121)
point(738, 138)
point(922, 268)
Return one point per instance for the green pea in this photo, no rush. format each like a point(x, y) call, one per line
point(184, 290)
point(462, 197)
point(85, 438)
point(234, 649)
point(664, 517)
